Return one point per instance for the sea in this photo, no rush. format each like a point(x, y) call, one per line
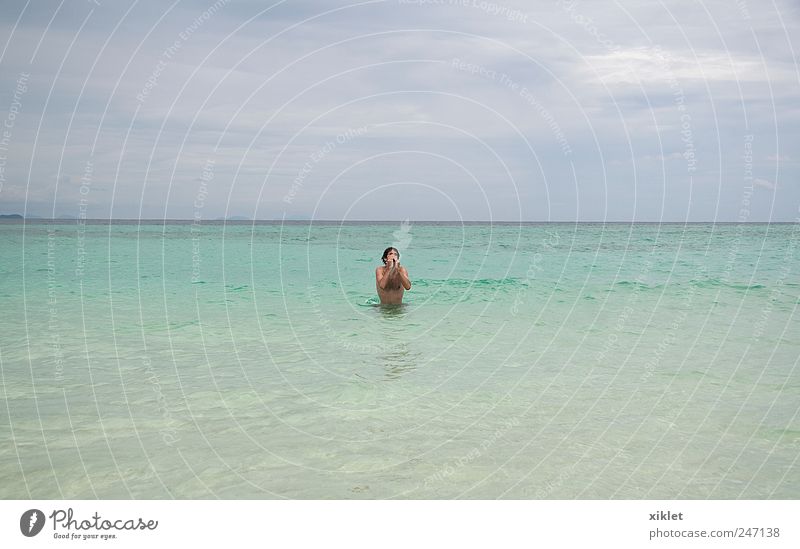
point(252, 360)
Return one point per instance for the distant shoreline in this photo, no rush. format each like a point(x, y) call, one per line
point(67, 221)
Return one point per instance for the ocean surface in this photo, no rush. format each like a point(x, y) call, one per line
point(549, 361)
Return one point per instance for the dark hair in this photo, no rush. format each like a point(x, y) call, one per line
point(386, 252)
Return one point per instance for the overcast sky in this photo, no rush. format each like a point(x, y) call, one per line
point(426, 110)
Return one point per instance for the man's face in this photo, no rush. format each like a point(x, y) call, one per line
point(391, 256)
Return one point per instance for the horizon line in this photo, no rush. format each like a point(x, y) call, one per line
point(19, 217)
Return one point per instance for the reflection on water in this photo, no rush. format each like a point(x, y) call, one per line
point(398, 359)
point(392, 311)
point(400, 362)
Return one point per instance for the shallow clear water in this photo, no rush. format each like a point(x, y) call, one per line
point(538, 361)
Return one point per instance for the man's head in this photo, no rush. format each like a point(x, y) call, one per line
point(390, 252)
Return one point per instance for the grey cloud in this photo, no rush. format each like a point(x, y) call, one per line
point(553, 89)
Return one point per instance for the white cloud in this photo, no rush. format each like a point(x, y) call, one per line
point(656, 65)
point(763, 183)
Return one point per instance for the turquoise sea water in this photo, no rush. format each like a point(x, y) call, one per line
point(537, 361)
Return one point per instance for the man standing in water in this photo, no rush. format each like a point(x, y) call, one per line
point(391, 279)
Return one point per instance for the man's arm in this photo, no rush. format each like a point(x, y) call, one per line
point(404, 280)
point(381, 279)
